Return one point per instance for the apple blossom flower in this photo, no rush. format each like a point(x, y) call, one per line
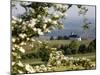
point(40, 32)
point(34, 29)
point(14, 54)
point(44, 26)
point(54, 22)
point(21, 50)
point(29, 68)
point(39, 16)
point(20, 64)
point(22, 43)
point(13, 39)
point(13, 22)
point(22, 35)
point(20, 71)
point(13, 63)
point(49, 20)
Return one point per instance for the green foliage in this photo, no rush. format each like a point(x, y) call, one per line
point(74, 45)
point(92, 46)
point(62, 38)
point(68, 51)
point(82, 48)
point(44, 54)
point(59, 38)
point(51, 38)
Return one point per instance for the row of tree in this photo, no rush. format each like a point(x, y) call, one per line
point(73, 48)
point(59, 38)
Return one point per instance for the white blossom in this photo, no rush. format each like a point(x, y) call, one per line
point(20, 64)
point(61, 14)
point(37, 68)
point(32, 22)
point(54, 22)
point(13, 39)
point(13, 48)
point(32, 39)
point(29, 68)
point(42, 66)
point(14, 18)
point(13, 21)
point(16, 46)
point(39, 16)
point(65, 58)
point(22, 36)
point(28, 39)
point(44, 26)
point(39, 42)
point(39, 31)
point(47, 30)
point(21, 50)
point(24, 23)
point(20, 20)
point(20, 71)
point(34, 29)
point(83, 58)
point(49, 20)
point(22, 43)
point(58, 62)
point(14, 54)
point(13, 63)
point(56, 16)
point(59, 6)
point(53, 48)
point(46, 8)
point(45, 20)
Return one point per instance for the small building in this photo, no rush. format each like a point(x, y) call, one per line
point(74, 37)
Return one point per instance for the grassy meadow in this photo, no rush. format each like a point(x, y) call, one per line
point(54, 43)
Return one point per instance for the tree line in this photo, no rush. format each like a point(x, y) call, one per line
point(73, 48)
point(60, 38)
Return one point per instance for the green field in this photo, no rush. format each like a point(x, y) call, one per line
point(66, 42)
point(52, 43)
point(91, 56)
point(55, 43)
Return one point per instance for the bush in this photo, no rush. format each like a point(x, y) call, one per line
point(63, 48)
point(68, 51)
point(44, 52)
point(74, 45)
point(82, 48)
point(51, 38)
point(92, 46)
point(66, 37)
point(59, 38)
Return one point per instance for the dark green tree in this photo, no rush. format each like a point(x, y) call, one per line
point(92, 46)
point(51, 38)
point(82, 48)
point(74, 45)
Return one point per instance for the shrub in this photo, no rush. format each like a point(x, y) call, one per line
point(68, 51)
point(82, 48)
point(92, 46)
point(51, 38)
point(44, 52)
point(74, 46)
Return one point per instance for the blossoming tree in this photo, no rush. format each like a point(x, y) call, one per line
point(38, 19)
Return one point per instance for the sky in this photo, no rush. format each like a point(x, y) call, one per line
point(73, 21)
